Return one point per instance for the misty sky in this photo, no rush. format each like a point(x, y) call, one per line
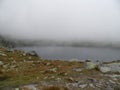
point(61, 19)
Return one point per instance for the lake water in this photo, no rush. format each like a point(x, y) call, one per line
point(81, 53)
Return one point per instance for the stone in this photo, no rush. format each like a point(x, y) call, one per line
point(29, 87)
point(53, 70)
point(2, 54)
point(48, 63)
point(115, 67)
point(90, 65)
point(52, 77)
point(77, 69)
point(111, 81)
point(13, 67)
point(91, 85)
point(75, 84)
point(5, 66)
point(24, 54)
point(92, 80)
point(58, 79)
point(73, 60)
point(29, 57)
point(1, 63)
point(46, 77)
point(70, 79)
point(83, 86)
point(104, 69)
point(88, 60)
point(17, 89)
point(65, 74)
point(112, 67)
point(33, 53)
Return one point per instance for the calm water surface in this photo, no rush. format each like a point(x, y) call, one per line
point(81, 53)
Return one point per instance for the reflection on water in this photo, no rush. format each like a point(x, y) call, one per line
point(81, 53)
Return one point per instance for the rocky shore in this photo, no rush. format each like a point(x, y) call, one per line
point(21, 70)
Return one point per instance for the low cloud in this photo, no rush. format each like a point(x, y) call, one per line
point(97, 20)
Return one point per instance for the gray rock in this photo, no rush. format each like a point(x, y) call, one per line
point(33, 53)
point(104, 69)
point(91, 85)
point(92, 80)
point(73, 60)
point(83, 86)
point(112, 67)
point(75, 84)
point(30, 87)
point(91, 65)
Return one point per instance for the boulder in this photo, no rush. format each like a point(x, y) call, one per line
point(91, 65)
point(104, 69)
point(111, 67)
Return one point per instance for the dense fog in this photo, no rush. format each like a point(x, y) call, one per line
point(97, 20)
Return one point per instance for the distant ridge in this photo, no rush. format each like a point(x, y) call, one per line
point(6, 41)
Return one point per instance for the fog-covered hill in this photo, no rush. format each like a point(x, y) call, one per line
point(6, 41)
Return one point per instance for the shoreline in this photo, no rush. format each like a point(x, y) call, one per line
point(19, 70)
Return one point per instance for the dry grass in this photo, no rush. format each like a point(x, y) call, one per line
point(55, 88)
